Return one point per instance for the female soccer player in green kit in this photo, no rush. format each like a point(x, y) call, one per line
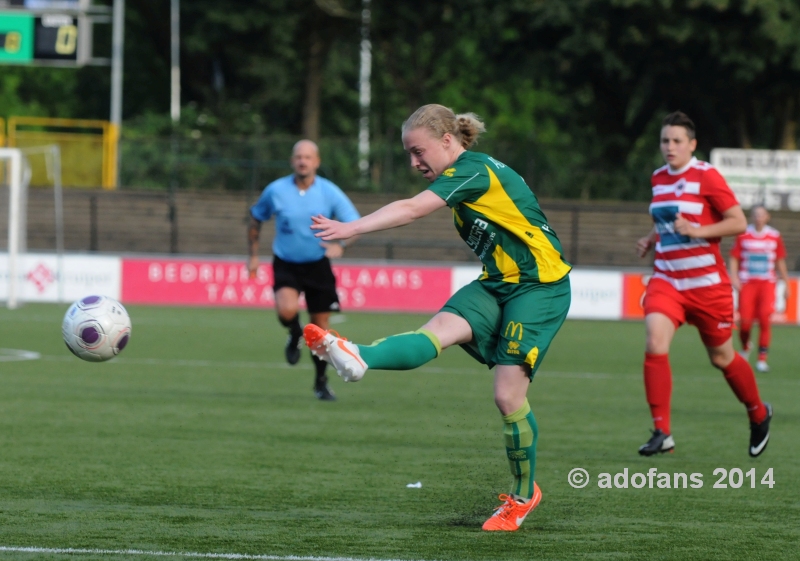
point(506, 318)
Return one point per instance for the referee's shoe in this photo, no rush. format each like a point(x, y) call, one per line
point(322, 391)
point(292, 349)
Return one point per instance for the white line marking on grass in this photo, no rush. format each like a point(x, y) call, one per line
point(16, 355)
point(191, 363)
point(581, 375)
point(201, 363)
point(79, 551)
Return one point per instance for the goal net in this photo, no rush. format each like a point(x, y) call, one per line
point(14, 175)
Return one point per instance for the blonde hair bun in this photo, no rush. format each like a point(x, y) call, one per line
point(440, 120)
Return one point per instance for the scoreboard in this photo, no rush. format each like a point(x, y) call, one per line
point(42, 32)
point(26, 38)
point(44, 4)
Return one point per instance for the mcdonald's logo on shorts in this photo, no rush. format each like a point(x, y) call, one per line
point(512, 327)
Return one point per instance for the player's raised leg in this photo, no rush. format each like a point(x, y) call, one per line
point(404, 351)
point(658, 382)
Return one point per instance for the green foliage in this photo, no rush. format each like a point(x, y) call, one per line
point(572, 91)
point(10, 99)
point(32, 93)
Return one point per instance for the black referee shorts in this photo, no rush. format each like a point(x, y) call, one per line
point(315, 279)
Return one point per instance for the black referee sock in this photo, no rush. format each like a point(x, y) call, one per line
point(320, 366)
point(295, 329)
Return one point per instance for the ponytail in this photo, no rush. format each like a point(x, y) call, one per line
point(440, 120)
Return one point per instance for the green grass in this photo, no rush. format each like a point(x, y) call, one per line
point(199, 438)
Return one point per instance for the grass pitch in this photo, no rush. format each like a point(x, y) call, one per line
point(200, 438)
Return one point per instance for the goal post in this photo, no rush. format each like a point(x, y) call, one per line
point(15, 177)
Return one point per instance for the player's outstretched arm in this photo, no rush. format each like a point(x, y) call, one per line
point(398, 213)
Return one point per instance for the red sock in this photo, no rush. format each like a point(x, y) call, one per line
point(658, 388)
point(744, 336)
point(742, 381)
point(765, 335)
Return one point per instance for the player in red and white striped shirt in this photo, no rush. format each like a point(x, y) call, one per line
point(755, 256)
point(692, 208)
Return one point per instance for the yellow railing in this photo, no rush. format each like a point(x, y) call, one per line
point(88, 148)
point(2, 132)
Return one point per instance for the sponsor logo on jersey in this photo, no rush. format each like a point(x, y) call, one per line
point(486, 246)
point(723, 325)
point(513, 348)
point(476, 233)
point(664, 218)
point(512, 328)
point(449, 172)
point(680, 187)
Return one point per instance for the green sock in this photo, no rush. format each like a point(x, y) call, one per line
point(520, 432)
point(401, 352)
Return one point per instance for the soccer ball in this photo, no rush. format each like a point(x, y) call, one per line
point(96, 328)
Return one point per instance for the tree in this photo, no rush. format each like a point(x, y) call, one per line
point(572, 91)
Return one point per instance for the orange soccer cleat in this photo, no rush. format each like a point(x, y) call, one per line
point(508, 516)
point(338, 351)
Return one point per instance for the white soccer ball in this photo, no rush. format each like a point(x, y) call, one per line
point(96, 328)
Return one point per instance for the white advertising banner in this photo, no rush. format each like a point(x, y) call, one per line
point(761, 177)
point(463, 275)
point(46, 278)
point(596, 294)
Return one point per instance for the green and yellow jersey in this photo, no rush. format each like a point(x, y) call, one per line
point(499, 217)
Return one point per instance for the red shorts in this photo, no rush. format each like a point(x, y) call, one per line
point(757, 299)
point(709, 309)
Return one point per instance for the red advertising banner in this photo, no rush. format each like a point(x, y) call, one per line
point(226, 283)
point(634, 286)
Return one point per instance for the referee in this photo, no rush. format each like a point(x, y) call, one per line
point(301, 263)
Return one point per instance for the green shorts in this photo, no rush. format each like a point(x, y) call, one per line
point(515, 328)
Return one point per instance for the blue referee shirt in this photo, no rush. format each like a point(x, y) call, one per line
point(293, 209)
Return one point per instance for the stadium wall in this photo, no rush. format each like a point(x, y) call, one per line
point(377, 286)
point(592, 233)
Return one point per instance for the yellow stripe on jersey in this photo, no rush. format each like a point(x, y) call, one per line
point(458, 218)
point(506, 265)
point(496, 205)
